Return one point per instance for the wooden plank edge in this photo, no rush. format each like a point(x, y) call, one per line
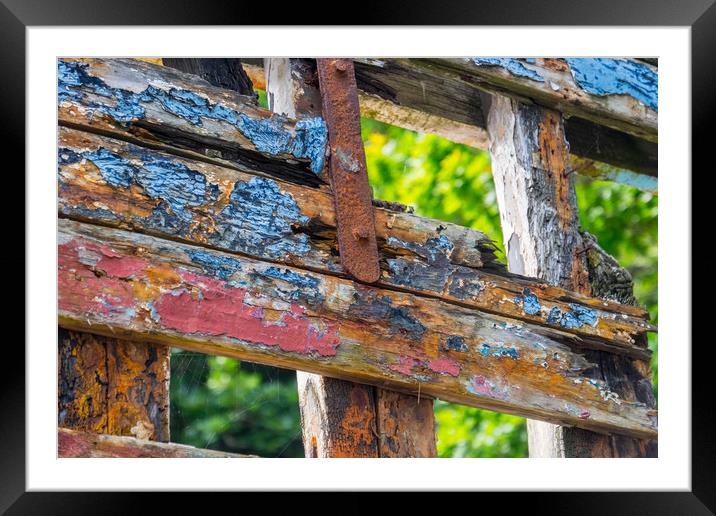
point(78, 444)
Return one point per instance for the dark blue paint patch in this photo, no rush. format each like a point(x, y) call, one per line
point(555, 314)
point(306, 286)
point(514, 66)
point(499, 352)
point(530, 303)
point(269, 135)
point(381, 309)
point(465, 283)
point(436, 251)
point(115, 170)
point(409, 272)
point(604, 76)
point(294, 278)
point(456, 343)
point(578, 317)
point(260, 219)
point(220, 266)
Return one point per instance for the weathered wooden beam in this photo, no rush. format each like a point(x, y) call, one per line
point(613, 92)
point(77, 444)
point(113, 386)
point(540, 224)
point(115, 282)
point(119, 184)
point(343, 418)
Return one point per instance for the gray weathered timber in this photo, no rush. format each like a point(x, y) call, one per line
point(77, 444)
point(541, 230)
point(220, 72)
point(119, 184)
point(138, 287)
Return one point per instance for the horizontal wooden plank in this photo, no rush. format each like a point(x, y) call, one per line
point(78, 444)
point(613, 92)
point(117, 183)
point(115, 282)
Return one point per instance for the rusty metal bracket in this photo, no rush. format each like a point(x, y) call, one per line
point(347, 169)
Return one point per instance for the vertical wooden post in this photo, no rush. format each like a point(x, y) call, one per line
point(540, 224)
point(112, 386)
point(344, 419)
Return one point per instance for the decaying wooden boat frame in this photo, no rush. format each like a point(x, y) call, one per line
point(202, 241)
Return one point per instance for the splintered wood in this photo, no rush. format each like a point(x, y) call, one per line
point(198, 220)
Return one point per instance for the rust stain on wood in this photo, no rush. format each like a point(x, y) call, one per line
point(108, 385)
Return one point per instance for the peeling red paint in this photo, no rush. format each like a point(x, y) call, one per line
point(201, 305)
point(405, 365)
point(95, 294)
point(444, 365)
point(221, 311)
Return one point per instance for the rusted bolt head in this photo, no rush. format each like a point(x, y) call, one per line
point(341, 65)
point(360, 233)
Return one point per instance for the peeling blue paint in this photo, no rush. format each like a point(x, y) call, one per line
point(436, 251)
point(456, 343)
point(605, 76)
point(514, 66)
point(578, 317)
point(260, 219)
point(381, 309)
point(174, 183)
point(117, 171)
point(555, 314)
point(308, 140)
point(216, 265)
point(311, 141)
point(499, 351)
point(530, 303)
point(306, 286)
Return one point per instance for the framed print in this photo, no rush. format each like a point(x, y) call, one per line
point(278, 242)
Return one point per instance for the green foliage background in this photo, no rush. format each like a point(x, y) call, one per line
point(223, 404)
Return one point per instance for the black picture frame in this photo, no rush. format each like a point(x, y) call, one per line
point(17, 15)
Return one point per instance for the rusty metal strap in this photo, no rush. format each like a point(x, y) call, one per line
point(347, 169)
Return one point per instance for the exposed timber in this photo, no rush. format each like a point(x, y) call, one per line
point(116, 183)
point(77, 444)
point(113, 386)
point(540, 224)
point(114, 282)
